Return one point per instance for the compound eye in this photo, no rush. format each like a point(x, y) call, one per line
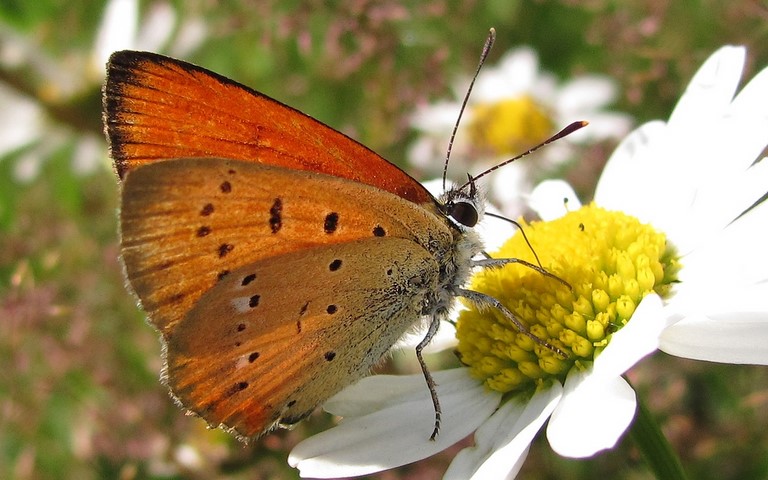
point(464, 213)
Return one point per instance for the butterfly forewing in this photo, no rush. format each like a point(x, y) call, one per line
point(188, 223)
point(158, 108)
point(277, 337)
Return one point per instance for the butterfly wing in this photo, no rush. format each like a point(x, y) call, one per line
point(277, 337)
point(273, 288)
point(186, 224)
point(156, 107)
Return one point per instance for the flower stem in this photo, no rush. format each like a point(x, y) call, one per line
point(657, 451)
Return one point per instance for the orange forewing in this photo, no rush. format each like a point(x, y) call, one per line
point(187, 223)
point(156, 107)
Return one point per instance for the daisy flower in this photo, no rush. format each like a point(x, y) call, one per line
point(513, 106)
point(670, 256)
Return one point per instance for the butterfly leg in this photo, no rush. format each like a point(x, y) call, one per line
point(434, 324)
point(484, 302)
point(500, 262)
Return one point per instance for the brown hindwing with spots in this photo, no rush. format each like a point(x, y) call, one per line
point(292, 330)
point(187, 224)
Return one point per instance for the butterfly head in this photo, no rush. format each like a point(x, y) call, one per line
point(463, 205)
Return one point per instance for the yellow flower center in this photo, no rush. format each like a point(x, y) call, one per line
point(610, 260)
point(509, 126)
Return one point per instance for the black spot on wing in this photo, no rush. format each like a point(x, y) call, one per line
point(206, 210)
point(331, 222)
point(237, 387)
point(224, 249)
point(276, 215)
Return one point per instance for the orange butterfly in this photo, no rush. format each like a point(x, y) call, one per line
point(278, 258)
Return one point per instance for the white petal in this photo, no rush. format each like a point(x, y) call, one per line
point(727, 338)
point(508, 185)
point(551, 199)
point(703, 152)
point(27, 165)
point(515, 74)
point(712, 88)
point(602, 125)
point(720, 301)
point(191, 33)
point(443, 340)
point(735, 257)
point(623, 185)
point(437, 118)
point(156, 28)
point(435, 186)
point(423, 153)
point(117, 30)
point(585, 94)
point(753, 96)
point(722, 199)
point(638, 338)
point(494, 231)
point(377, 392)
point(544, 90)
point(592, 415)
point(399, 432)
point(750, 104)
point(89, 152)
point(502, 442)
point(21, 120)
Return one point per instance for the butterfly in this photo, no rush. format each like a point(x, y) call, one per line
point(278, 259)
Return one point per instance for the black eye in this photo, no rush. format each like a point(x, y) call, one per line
point(464, 213)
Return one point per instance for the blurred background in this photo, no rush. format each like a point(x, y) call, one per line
point(79, 390)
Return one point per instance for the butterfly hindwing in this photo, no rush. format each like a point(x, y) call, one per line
point(276, 338)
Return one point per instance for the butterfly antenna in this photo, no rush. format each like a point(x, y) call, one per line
point(486, 50)
point(562, 133)
point(472, 186)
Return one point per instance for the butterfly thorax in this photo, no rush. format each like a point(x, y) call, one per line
point(462, 210)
